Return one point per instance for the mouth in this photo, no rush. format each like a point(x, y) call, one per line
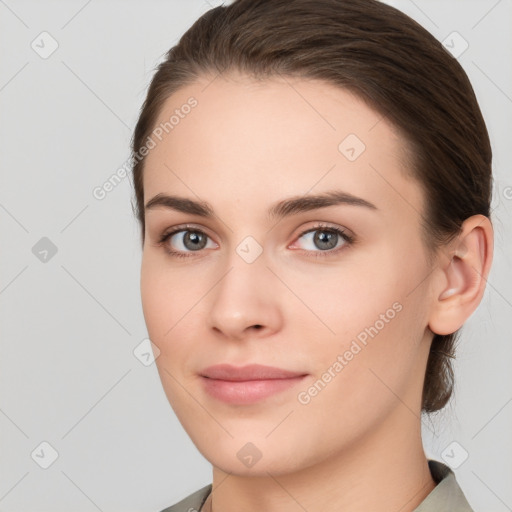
point(248, 384)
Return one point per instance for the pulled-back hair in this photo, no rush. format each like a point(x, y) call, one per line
point(388, 60)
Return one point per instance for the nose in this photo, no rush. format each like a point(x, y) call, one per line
point(245, 303)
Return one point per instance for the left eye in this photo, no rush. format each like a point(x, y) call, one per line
point(324, 239)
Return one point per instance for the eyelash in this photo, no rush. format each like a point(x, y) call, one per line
point(349, 240)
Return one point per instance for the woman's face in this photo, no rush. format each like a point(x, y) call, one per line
point(265, 279)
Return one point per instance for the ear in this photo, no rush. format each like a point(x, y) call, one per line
point(462, 276)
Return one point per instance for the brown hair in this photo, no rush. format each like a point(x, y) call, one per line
point(389, 61)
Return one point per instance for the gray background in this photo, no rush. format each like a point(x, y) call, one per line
point(70, 321)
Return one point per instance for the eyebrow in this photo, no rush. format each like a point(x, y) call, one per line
point(284, 208)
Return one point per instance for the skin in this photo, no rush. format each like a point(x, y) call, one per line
point(249, 144)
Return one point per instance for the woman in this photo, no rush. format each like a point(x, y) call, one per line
point(313, 182)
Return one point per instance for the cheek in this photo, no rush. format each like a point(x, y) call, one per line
point(153, 297)
point(162, 303)
point(359, 378)
point(166, 296)
point(377, 319)
point(345, 299)
point(171, 300)
point(163, 306)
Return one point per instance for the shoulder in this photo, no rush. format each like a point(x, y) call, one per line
point(192, 503)
point(447, 496)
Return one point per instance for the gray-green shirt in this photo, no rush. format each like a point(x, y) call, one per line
point(447, 496)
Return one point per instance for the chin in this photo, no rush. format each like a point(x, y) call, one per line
point(259, 457)
point(230, 464)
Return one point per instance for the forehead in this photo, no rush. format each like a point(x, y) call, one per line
point(250, 140)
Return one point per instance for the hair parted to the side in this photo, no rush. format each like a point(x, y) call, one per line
point(386, 59)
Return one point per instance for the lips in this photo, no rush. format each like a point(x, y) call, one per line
point(248, 384)
point(249, 372)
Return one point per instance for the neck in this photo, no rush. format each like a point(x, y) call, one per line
point(386, 471)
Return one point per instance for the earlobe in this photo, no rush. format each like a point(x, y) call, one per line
point(462, 281)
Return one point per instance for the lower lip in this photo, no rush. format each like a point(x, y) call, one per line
point(248, 391)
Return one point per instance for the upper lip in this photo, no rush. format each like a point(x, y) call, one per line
point(249, 372)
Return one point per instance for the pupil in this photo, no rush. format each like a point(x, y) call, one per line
point(326, 237)
point(195, 239)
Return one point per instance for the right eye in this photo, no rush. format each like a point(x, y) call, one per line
point(181, 241)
